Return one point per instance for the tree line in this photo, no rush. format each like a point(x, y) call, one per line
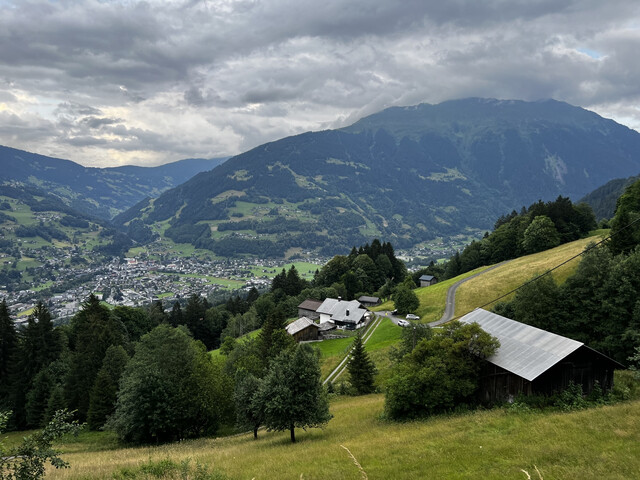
point(598, 304)
point(540, 226)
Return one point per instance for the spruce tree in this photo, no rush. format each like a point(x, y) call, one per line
point(8, 346)
point(39, 345)
point(94, 329)
point(361, 368)
point(103, 398)
point(175, 317)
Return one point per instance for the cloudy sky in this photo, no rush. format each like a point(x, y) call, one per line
point(113, 82)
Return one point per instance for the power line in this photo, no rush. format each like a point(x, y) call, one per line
point(589, 248)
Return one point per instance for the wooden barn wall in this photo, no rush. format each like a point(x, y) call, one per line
point(584, 366)
point(309, 333)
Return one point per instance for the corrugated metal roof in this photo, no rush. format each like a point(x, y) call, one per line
point(299, 325)
point(524, 350)
point(366, 299)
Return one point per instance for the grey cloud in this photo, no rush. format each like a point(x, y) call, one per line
point(268, 69)
point(96, 122)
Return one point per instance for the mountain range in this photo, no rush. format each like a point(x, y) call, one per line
point(99, 192)
point(406, 174)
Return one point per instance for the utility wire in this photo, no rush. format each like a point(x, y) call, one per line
point(589, 248)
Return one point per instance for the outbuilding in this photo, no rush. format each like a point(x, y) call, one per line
point(531, 361)
point(309, 308)
point(303, 330)
point(367, 301)
point(427, 280)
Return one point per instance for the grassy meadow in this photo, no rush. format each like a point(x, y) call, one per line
point(501, 280)
point(596, 443)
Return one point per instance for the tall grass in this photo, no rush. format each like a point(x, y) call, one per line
point(595, 443)
point(497, 282)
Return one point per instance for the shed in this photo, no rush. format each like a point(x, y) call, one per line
point(303, 329)
point(532, 361)
point(369, 301)
point(427, 280)
point(309, 308)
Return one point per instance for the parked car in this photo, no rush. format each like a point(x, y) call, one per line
point(411, 316)
point(394, 312)
point(403, 323)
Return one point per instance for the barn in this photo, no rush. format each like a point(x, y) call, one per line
point(303, 330)
point(532, 361)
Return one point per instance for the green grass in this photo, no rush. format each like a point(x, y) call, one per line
point(497, 282)
point(305, 270)
point(590, 444)
point(384, 336)
point(432, 299)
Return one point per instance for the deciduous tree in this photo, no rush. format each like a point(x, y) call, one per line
point(293, 393)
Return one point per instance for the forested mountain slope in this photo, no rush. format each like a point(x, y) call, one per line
point(407, 174)
point(101, 192)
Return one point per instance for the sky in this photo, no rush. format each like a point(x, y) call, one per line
point(116, 82)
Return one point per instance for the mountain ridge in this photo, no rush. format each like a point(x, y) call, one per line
point(406, 174)
point(100, 192)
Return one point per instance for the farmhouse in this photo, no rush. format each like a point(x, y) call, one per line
point(427, 280)
point(532, 361)
point(303, 329)
point(343, 314)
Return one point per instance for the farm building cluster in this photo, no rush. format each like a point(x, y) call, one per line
point(318, 318)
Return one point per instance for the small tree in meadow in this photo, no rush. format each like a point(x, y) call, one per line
point(292, 392)
point(361, 368)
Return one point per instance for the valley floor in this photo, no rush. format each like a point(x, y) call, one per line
point(596, 443)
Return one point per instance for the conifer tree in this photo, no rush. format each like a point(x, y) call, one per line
point(94, 330)
point(361, 368)
point(39, 345)
point(176, 318)
point(103, 398)
point(8, 346)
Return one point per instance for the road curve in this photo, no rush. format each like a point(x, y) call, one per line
point(450, 306)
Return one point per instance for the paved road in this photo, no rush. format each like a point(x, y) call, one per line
point(450, 307)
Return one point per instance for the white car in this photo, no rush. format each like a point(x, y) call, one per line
point(411, 316)
point(403, 323)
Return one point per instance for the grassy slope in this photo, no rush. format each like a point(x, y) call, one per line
point(497, 282)
point(432, 299)
point(591, 444)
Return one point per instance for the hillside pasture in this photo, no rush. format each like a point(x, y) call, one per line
point(501, 280)
point(596, 443)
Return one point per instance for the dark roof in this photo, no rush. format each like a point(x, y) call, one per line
point(365, 299)
point(524, 350)
point(309, 304)
point(426, 278)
